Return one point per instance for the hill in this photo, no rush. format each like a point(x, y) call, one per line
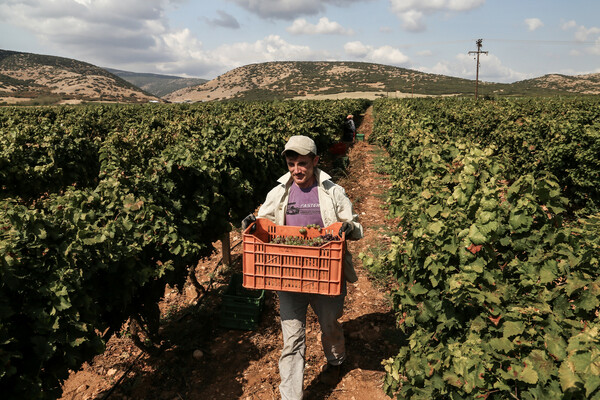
point(581, 84)
point(290, 79)
point(42, 79)
point(356, 79)
point(157, 84)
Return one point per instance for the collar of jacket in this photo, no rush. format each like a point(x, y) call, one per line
point(321, 177)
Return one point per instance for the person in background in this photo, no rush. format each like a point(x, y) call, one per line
point(306, 195)
point(349, 130)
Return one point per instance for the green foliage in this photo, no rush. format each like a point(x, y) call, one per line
point(45, 149)
point(560, 136)
point(498, 293)
point(101, 206)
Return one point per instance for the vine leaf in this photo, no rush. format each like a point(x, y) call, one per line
point(496, 320)
point(474, 248)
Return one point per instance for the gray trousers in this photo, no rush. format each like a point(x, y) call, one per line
point(292, 309)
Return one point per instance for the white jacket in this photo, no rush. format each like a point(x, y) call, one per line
point(335, 207)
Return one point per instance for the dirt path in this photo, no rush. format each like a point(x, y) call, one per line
point(236, 364)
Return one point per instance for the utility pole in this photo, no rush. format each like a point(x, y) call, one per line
point(478, 52)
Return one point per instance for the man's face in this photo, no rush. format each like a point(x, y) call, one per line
point(302, 169)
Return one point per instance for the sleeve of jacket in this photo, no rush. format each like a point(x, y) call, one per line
point(345, 212)
point(268, 208)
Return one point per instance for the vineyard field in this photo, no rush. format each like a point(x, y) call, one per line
point(102, 206)
point(493, 268)
point(497, 262)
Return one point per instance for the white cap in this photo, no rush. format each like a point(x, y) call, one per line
point(301, 145)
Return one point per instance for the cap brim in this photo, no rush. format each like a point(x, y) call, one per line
point(302, 152)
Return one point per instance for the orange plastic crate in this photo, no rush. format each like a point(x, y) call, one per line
point(289, 268)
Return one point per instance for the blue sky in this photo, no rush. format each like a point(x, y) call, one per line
point(524, 38)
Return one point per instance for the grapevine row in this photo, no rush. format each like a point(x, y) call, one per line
point(498, 286)
point(102, 206)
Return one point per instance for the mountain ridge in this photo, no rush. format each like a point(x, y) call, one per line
point(322, 79)
point(28, 77)
point(42, 79)
point(156, 84)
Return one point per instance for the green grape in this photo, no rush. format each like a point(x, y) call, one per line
point(301, 241)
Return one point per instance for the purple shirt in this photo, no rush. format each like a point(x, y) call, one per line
point(303, 206)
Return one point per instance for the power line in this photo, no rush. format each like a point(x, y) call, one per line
point(435, 43)
point(478, 52)
point(563, 42)
point(524, 41)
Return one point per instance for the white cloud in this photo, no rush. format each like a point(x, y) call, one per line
point(183, 52)
point(271, 48)
point(382, 55)
point(575, 53)
point(136, 35)
point(289, 9)
point(96, 31)
point(533, 23)
point(132, 34)
point(491, 69)
point(568, 25)
point(187, 54)
point(413, 12)
point(412, 20)
point(356, 49)
point(323, 27)
point(583, 34)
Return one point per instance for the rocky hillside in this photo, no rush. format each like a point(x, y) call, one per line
point(581, 84)
point(291, 79)
point(281, 80)
point(40, 79)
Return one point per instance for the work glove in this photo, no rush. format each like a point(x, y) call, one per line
point(347, 228)
point(246, 222)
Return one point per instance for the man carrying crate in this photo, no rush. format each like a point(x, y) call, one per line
point(307, 196)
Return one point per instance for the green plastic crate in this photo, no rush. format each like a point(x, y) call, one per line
point(241, 307)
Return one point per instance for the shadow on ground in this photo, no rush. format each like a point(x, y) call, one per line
point(172, 372)
point(370, 339)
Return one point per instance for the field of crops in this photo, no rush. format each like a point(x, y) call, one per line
point(497, 265)
point(102, 206)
